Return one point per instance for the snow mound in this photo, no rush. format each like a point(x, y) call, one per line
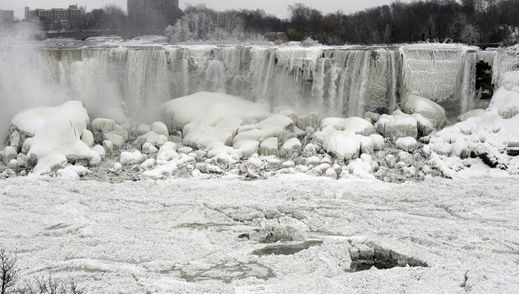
point(210, 120)
point(506, 99)
point(484, 134)
point(57, 135)
point(434, 112)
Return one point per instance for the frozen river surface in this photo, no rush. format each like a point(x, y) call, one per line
point(212, 236)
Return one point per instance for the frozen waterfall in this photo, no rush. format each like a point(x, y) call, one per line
point(129, 83)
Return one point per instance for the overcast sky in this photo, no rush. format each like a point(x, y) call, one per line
point(277, 7)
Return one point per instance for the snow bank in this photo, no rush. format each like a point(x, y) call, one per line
point(484, 134)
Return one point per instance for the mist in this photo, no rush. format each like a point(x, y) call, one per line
point(23, 83)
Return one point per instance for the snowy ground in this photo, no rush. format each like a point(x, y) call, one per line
point(194, 236)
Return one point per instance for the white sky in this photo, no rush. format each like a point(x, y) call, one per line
point(277, 7)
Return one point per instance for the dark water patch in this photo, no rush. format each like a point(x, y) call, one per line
point(286, 249)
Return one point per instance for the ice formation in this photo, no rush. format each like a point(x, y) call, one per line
point(57, 135)
point(260, 111)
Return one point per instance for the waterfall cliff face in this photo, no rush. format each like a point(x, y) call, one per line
point(340, 82)
point(128, 83)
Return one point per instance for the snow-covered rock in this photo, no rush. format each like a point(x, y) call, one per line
point(343, 145)
point(88, 138)
point(249, 136)
point(57, 135)
point(73, 172)
point(398, 125)
point(356, 125)
point(408, 144)
point(291, 147)
point(109, 129)
point(362, 167)
point(427, 108)
point(149, 148)
point(210, 120)
point(160, 128)
point(131, 157)
point(269, 146)
point(9, 153)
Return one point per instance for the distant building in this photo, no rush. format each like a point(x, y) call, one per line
point(56, 18)
point(155, 13)
point(6, 16)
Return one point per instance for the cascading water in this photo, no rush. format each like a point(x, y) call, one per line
point(130, 83)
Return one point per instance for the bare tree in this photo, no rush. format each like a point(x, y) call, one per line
point(8, 271)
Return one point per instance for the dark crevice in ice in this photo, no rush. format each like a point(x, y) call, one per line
point(286, 249)
point(382, 258)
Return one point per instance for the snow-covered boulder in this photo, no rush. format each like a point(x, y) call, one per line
point(398, 125)
point(378, 142)
point(132, 157)
point(408, 144)
point(9, 153)
point(210, 120)
point(149, 148)
point(269, 146)
point(57, 135)
point(153, 138)
point(167, 152)
point(506, 99)
point(309, 150)
point(356, 125)
point(362, 167)
point(72, 172)
point(249, 136)
point(291, 147)
point(88, 138)
point(343, 145)
point(427, 108)
point(100, 150)
point(160, 128)
point(109, 129)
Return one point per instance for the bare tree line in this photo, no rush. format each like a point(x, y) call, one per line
point(467, 21)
